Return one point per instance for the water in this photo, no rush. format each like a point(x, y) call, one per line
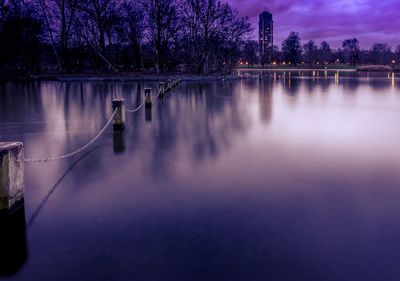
point(293, 179)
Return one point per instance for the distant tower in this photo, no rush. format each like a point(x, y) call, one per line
point(266, 36)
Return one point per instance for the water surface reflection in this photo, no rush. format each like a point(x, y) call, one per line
point(283, 179)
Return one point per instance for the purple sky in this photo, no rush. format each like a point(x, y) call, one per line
point(369, 21)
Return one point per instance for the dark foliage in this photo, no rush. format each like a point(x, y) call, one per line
point(149, 36)
point(20, 37)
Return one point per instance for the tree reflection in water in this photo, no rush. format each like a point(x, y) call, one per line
point(226, 178)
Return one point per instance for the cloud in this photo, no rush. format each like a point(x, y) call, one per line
point(367, 20)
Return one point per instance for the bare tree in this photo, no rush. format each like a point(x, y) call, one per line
point(96, 18)
point(352, 50)
point(381, 53)
point(310, 52)
point(95, 23)
point(131, 30)
point(161, 18)
point(291, 48)
point(325, 52)
point(234, 31)
point(214, 33)
point(250, 50)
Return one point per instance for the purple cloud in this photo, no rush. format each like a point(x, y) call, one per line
point(369, 21)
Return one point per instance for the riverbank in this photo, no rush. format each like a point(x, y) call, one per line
point(279, 67)
point(133, 77)
point(333, 67)
point(124, 77)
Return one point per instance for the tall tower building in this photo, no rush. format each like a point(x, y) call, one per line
point(266, 36)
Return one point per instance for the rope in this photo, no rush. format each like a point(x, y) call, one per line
point(79, 149)
point(158, 94)
point(139, 107)
point(96, 137)
point(143, 103)
point(156, 100)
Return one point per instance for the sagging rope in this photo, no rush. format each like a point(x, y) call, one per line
point(139, 107)
point(63, 156)
point(96, 137)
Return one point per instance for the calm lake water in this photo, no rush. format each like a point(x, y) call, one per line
point(296, 178)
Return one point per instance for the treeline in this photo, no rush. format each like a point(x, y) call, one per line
point(293, 52)
point(198, 36)
point(154, 36)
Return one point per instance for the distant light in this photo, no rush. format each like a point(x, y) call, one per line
point(274, 63)
point(393, 61)
point(284, 63)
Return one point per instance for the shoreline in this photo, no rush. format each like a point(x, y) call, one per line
point(297, 69)
point(127, 77)
point(118, 78)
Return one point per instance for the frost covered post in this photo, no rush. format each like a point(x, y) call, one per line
point(11, 174)
point(119, 117)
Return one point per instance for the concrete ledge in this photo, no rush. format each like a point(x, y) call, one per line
point(11, 174)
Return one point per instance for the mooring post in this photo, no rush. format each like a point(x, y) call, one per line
point(119, 117)
point(11, 174)
point(161, 88)
point(147, 101)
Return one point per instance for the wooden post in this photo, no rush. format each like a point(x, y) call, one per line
point(11, 174)
point(119, 117)
point(161, 88)
point(147, 101)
